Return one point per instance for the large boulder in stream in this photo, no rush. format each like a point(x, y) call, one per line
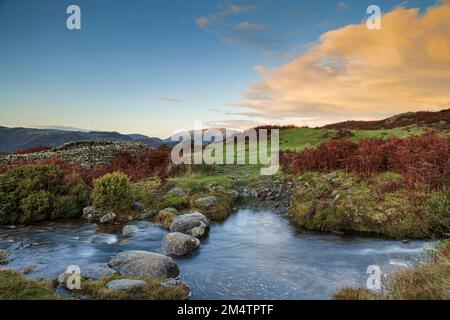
point(138, 263)
point(179, 244)
point(194, 224)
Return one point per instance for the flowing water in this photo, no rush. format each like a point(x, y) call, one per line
point(252, 255)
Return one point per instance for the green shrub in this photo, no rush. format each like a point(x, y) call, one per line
point(35, 192)
point(36, 207)
point(113, 192)
point(67, 207)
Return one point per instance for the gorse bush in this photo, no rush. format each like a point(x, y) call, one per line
point(113, 192)
point(39, 192)
point(423, 160)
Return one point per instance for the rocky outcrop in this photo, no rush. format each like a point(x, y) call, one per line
point(270, 194)
point(108, 218)
point(97, 271)
point(194, 224)
point(178, 244)
point(137, 263)
point(86, 153)
point(125, 285)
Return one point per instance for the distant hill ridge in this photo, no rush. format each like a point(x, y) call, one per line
point(440, 120)
point(13, 139)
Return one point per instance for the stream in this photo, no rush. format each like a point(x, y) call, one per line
point(252, 255)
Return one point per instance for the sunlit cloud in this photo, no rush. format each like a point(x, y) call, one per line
point(357, 73)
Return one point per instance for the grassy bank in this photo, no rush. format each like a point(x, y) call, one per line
point(342, 201)
point(15, 286)
point(428, 281)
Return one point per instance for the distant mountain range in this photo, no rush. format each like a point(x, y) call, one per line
point(13, 139)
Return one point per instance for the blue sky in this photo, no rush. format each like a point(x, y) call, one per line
point(155, 66)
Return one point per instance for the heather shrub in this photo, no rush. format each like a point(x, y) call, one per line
point(113, 192)
point(422, 160)
point(33, 193)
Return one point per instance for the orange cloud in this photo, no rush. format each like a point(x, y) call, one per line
point(354, 72)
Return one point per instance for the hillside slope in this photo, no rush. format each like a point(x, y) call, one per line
point(439, 120)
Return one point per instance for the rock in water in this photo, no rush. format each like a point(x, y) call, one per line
point(109, 217)
point(90, 213)
point(194, 224)
point(137, 263)
point(125, 285)
point(206, 201)
point(177, 191)
point(129, 230)
point(179, 244)
point(97, 271)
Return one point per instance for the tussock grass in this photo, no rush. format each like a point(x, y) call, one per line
point(15, 286)
point(152, 291)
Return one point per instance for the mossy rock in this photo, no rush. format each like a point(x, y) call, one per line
point(217, 211)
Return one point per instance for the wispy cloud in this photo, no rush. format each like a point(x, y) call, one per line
point(171, 100)
point(223, 24)
point(354, 72)
point(342, 5)
point(247, 26)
